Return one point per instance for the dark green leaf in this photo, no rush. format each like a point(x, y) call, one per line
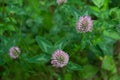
point(42, 58)
point(44, 44)
point(98, 3)
point(73, 66)
point(62, 43)
point(107, 46)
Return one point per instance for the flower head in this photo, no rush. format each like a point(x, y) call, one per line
point(84, 24)
point(14, 52)
point(59, 58)
point(61, 1)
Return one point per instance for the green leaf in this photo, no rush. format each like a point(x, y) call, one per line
point(6, 43)
point(62, 43)
point(10, 27)
point(98, 3)
point(112, 34)
point(72, 66)
point(1, 31)
point(106, 4)
point(1, 61)
point(44, 44)
point(88, 71)
point(42, 58)
point(83, 44)
point(107, 46)
point(94, 8)
point(109, 64)
point(115, 77)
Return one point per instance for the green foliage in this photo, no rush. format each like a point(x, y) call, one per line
point(68, 76)
point(42, 58)
point(72, 66)
point(61, 44)
point(109, 64)
point(107, 46)
point(98, 3)
point(88, 72)
point(40, 27)
point(112, 34)
point(44, 44)
point(115, 77)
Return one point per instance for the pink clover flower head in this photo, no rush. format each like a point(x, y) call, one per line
point(14, 52)
point(59, 58)
point(61, 1)
point(84, 24)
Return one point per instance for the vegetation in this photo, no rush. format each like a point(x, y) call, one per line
point(32, 30)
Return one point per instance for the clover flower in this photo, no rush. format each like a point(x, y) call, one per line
point(61, 1)
point(14, 52)
point(84, 24)
point(59, 58)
